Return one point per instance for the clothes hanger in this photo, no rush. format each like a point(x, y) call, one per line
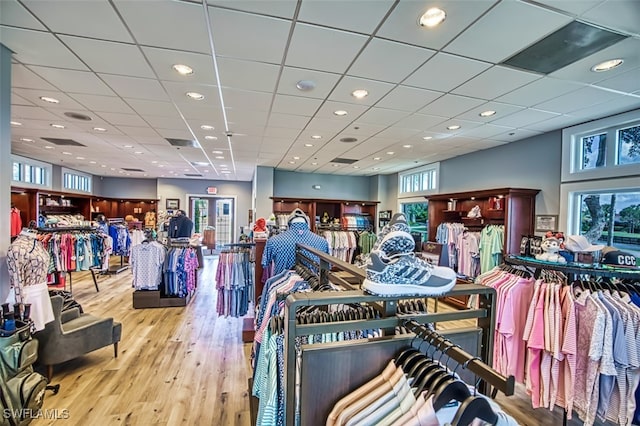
point(474, 407)
point(426, 378)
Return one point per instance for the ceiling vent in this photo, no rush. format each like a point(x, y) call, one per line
point(193, 174)
point(349, 140)
point(343, 160)
point(567, 45)
point(132, 170)
point(183, 143)
point(63, 142)
point(78, 116)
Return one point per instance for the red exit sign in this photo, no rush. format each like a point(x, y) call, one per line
point(212, 190)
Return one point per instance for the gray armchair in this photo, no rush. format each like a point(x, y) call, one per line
point(72, 334)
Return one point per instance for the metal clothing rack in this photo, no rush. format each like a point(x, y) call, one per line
point(322, 264)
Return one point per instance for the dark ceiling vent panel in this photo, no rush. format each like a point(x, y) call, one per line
point(193, 174)
point(567, 45)
point(348, 140)
point(343, 160)
point(132, 170)
point(183, 143)
point(78, 116)
point(63, 142)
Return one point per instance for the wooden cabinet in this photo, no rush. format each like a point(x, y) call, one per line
point(121, 208)
point(57, 203)
point(512, 207)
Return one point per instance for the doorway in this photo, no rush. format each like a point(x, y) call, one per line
point(215, 211)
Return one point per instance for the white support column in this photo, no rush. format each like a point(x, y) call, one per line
point(5, 166)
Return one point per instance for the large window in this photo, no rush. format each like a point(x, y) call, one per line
point(30, 173)
point(421, 181)
point(76, 181)
point(417, 214)
point(600, 192)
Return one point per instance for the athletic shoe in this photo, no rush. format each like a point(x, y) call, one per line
point(395, 243)
point(406, 275)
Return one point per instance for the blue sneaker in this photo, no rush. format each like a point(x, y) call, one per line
point(406, 275)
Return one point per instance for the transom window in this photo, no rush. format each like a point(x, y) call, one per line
point(30, 173)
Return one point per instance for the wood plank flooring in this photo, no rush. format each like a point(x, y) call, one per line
point(177, 366)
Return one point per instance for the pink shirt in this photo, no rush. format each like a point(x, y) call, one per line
point(535, 346)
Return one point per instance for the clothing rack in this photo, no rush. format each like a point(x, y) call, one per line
point(388, 321)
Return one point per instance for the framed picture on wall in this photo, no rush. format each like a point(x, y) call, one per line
point(547, 222)
point(173, 203)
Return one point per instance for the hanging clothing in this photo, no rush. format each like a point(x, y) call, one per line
point(234, 282)
point(491, 246)
point(16, 222)
point(180, 226)
point(366, 240)
point(281, 249)
point(146, 265)
point(121, 239)
point(342, 244)
point(447, 234)
point(468, 258)
point(180, 269)
point(150, 220)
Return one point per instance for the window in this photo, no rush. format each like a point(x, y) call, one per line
point(420, 181)
point(76, 181)
point(417, 214)
point(30, 173)
point(600, 198)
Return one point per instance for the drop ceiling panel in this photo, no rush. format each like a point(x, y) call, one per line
point(347, 85)
point(524, 118)
point(247, 117)
point(408, 99)
point(326, 126)
point(525, 24)
point(146, 107)
point(628, 82)
point(494, 82)
point(617, 105)
point(102, 103)
point(178, 93)
point(388, 60)
point(282, 132)
point(382, 116)
point(363, 130)
point(486, 131)
point(398, 133)
point(295, 105)
point(353, 111)
point(39, 48)
point(464, 126)
point(451, 105)
point(176, 25)
point(288, 120)
point(420, 121)
point(402, 25)
point(248, 75)
point(324, 82)
point(19, 100)
point(31, 112)
point(14, 14)
point(163, 122)
point(95, 19)
point(444, 72)
point(23, 77)
point(162, 61)
point(74, 81)
point(109, 57)
point(501, 109)
point(240, 99)
point(539, 91)
point(576, 7)
point(118, 119)
point(576, 100)
point(66, 102)
point(133, 87)
point(557, 122)
point(322, 48)
point(621, 15)
point(358, 16)
point(515, 135)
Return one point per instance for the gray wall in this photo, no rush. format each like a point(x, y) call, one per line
point(56, 178)
point(530, 163)
point(332, 187)
point(263, 181)
point(5, 166)
point(126, 187)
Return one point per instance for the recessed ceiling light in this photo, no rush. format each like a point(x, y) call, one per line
point(128, 146)
point(219, 157)
point(390, 152)
point(225, 172)
point(487, 113)
point(340, 112)
point(359, 93)
point(48, 147)
point(99, 129)
point(407, 146)
point(314, 164)
point(49, 99)
point(296, 158)
point(292, 162)
point(138, 152)
point(16, 123)
point(305, 85)
point(112, 168)
point(607, 65)
point(453, 127)
point(92, 162)
point(57, 126)
point(206, 171)
point(356, 167)
point(207, 127)
point(335, 165)
point(211, 138)
point(201, 163)
point(66, 153)
point(182, 69)
point(223, 166)
point(154, 162)
point(195, 96)
point(145, 175)
point(316, 137)
point(120, 171)
point(432, 17)
point(103, 165)
point(426, 138)
point(216, 152)
point(26, 140)
point(308, 145)
point(79, 158)
point(186, 170)
point(376, 168)
point(377, 158)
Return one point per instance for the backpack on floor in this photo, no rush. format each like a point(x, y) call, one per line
point(22, 389)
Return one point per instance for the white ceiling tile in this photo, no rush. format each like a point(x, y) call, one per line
point(202, 114)
point(501, 109)
point(139, 131)
point(119, 119)
point(525, 24)
point(557, 122)
point(515, 135)
point(146, 107)
point(102, 103)
point(246, 36)
point(33, 95)
point(359, 15)
point(74, 81)
point(420, 121)
point(234, 98)
point(486, 131)
point(618, 14)
point(295, 105)
point(281, 8)
point(176, 25)
point(445, 72)
point(162, 61)
point(134, 87)
point(524, 118)
point(164, 122)
point(451, 105)
point(363, 130)
point(398, 133)
point(326, 126)
point(382, 116)
point(39, 48)
point(347, 85)
point(574, 7)
point(324, 82)
point(465, 125)
point(14, 14)
point(281, 132)
point(576, 100)
point(248, 75)
point(247, 117)
point(539, 91)
point(288, 120)
point(403, 25)
point(23, 77)
point(178, 93)
point(388, 60)
point(19, 100)
point(407, 98)
point(353, 111)
point(32, 112)
point(322, 48)
point(628, 82)
point(56, 15)
point(620, 103)
point(110, 57)
point(494, 82)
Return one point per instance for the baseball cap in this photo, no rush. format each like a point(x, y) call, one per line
point(620, 259)
point(578, 243)
point(298, 214)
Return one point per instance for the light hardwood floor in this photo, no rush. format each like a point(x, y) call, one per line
point(176, 366)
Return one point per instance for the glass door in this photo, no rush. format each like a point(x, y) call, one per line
point(200, 209)
point(224, 214)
